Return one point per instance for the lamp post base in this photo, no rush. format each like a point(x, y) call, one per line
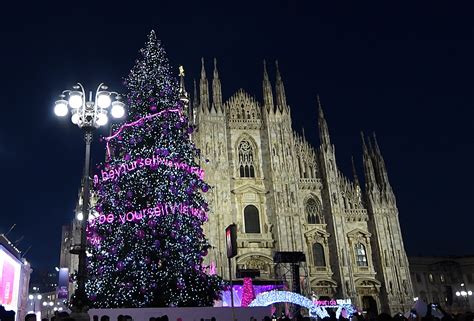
point(80, 306)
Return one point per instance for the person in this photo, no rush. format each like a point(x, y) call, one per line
point(30, 317)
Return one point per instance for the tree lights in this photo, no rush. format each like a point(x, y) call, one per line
point(147, 246)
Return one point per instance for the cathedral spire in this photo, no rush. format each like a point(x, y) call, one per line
point(267, 90)
point(216, 90)
point(204, 89)
point(280, 91)
point(380, 165)
point(369, 172)
point(183, 94)
point(195, 95)
point(323, 126)
point(354, 172)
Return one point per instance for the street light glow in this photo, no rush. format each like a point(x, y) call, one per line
point(60, 108)
point(39, 296)
point(30, 296)
point(79, 216)
point(75, 99)
point(102, 119)
point(118, 109)
point(103, 99)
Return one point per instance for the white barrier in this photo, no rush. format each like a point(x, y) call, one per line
point(186, 314)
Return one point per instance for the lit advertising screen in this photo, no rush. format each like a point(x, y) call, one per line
point(10, 270)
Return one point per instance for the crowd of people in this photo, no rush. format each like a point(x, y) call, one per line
point(430, 312)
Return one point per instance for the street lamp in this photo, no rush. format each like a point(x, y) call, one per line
point(465, 294)
point(34, 298)
point(88, 115)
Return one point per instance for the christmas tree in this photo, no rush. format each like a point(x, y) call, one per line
point(146, 243)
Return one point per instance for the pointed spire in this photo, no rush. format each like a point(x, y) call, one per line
point(380, 165)
point(280, 91)
point(370, 180)
point(364, 146)
point(354, 172)
point(303, 133)
point(216, 90)
point(204, 88)
point(183, 94)
point(323, 126)
point(195, 95)
point(267, 90)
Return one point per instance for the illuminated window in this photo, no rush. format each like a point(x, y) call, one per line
point(246, 162)
point(252, 219)
point(318, 255)
point(430, 276)
point(313, 211)
point(361, 256)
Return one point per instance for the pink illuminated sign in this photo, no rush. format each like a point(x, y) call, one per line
point(115, 173)
point(158, 210)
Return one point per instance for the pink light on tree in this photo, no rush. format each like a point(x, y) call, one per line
point(248, 293)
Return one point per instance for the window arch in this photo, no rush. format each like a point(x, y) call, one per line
point(251, 219)
point(318, 255)
point(313, 211)
point(361, 255)
point(246, 159)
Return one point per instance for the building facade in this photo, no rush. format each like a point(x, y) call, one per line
point(286, 195)
point(444, 280)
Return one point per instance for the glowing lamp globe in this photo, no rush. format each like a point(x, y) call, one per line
point(39, 296)
point(75, 99)
point(118, 109)
point(75, 118)
point(79, 216)
point(60, 108)
point(102, 119)
point(30, 296)
point(469, 292)
point(44, 303)
point(458, 293)
point(103, 99)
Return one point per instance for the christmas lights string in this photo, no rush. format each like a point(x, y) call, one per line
point(136, 122)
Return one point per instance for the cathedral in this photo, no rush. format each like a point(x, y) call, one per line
point(284, 195)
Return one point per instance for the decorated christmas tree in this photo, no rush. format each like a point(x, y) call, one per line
point(146, 243)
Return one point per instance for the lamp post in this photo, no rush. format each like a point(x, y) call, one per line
point(464, 293)
point(33, 298)
point(88, 114)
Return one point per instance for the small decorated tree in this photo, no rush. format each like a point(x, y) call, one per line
point(146, 242)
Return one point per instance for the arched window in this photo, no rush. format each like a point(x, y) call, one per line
point(318, 255)
point(252, 219)
point(313, 211)
point(361, 256)
point(246, 162)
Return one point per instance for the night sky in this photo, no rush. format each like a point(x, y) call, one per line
point(402, 71)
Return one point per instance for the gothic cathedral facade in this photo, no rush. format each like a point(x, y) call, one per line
point(285, 195)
